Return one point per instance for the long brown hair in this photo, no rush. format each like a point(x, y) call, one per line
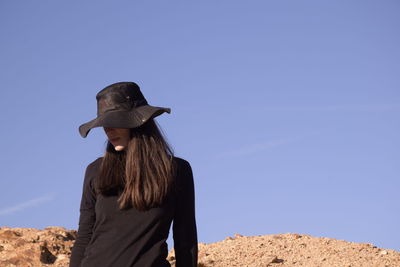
point(143, 172)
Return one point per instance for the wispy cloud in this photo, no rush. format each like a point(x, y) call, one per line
point(27, 204)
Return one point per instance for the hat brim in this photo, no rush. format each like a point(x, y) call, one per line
point(123, 119)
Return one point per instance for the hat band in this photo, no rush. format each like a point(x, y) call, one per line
point(105, 105)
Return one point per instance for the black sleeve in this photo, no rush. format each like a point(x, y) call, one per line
point(87, 218)
point(184, 226)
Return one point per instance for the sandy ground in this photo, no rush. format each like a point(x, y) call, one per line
point(28, 247)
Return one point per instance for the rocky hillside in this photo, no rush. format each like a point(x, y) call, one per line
point(52, 246)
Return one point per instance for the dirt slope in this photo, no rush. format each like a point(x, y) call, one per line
point(52, 247)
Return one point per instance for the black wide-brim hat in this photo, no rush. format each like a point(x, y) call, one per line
point(121, 105)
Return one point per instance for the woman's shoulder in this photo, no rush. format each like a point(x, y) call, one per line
point(183, 170)
point(180, 160)
point(95, 164)
point(181, 163)
point(90, 174)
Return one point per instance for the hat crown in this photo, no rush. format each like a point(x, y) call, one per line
point(119, 96)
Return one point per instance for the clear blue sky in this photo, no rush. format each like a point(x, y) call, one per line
point(288, 111)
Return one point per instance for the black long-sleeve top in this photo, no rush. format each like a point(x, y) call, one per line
point(109, 237)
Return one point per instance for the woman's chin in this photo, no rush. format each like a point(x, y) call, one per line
point(119, 148)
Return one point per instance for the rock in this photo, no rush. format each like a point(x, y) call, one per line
point(32, 247)
point(237, 235)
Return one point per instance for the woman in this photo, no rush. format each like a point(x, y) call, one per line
point(132, 194)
